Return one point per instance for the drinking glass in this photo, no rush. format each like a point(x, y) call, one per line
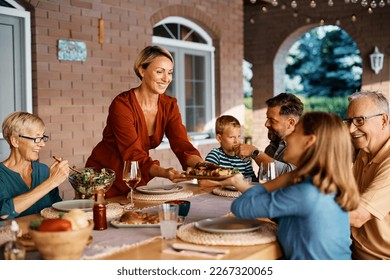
point(168, 214)
point(267, 171)
point(131, 176)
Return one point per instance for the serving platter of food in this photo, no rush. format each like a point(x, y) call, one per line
point(136, 219)
point(209, 171)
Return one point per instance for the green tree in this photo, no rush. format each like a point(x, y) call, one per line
point(324, 62)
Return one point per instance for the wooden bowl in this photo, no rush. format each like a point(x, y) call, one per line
point(62, 245)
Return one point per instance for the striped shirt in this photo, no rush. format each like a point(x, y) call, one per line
point(219, 157)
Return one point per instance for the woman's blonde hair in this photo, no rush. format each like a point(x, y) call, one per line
point(329, 159)
point(16, 123)
point(147, 55)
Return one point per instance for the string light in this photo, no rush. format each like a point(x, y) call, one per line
point(368, 5)
point(294, 4)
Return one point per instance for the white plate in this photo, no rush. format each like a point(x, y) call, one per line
point(230, 188)
point(228, 225)
point(67, 205)
point(163, 189)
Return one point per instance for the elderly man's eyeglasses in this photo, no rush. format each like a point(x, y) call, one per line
point(45, 138)
point(359, 121)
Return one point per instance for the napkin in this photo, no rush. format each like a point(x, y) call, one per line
point(191, 250)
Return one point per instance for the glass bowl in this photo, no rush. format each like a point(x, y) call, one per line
point(91, 181)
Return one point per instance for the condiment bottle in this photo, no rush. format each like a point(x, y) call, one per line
point(14, 250)
point(99, 213)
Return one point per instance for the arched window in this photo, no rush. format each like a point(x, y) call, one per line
point(193, 80)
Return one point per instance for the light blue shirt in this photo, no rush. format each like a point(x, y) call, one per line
point(12, 184)
point(311, 225)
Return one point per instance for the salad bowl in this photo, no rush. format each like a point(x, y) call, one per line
point(91, 181)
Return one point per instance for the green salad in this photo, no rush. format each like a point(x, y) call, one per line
point(90, 180)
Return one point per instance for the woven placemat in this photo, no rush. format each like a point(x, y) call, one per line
point(162, 197)
point(265, 234)
point(221, 191)
point(113, 211)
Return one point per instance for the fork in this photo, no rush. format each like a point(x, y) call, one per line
point(70, 167)
point(193, 249)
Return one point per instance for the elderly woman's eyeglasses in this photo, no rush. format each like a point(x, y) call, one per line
point(359, 121)
point(45, 138)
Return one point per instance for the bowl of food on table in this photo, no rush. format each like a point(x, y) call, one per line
point(63, 238)
point(89, 181)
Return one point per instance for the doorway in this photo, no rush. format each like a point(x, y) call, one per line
point(15, 66)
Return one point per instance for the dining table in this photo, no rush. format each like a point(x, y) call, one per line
point(146, 243)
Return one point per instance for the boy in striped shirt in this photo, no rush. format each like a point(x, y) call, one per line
point(228, 134)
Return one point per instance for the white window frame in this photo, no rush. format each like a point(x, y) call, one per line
point(20, 12)
point(180, 48)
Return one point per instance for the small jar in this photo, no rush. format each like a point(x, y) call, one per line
point(99, 216)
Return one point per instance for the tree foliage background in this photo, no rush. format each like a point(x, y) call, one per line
point(324, 67)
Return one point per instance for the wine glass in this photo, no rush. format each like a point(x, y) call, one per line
point(131, 176)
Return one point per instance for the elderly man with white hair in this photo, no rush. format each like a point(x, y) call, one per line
point(368, 123)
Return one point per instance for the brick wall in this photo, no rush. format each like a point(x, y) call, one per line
point(268, 37)
point(73, 97)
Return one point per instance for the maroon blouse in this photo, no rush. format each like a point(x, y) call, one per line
point(125, 137)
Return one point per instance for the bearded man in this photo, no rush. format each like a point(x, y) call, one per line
point(283, 113)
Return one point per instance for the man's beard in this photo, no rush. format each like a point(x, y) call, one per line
point(274, 136)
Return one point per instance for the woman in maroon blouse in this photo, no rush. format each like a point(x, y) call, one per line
point(137, 121)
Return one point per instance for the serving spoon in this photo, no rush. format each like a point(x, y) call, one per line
point(72, 168)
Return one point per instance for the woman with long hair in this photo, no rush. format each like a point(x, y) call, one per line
point(311, 203)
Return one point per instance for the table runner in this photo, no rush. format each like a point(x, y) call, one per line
point(113, 239)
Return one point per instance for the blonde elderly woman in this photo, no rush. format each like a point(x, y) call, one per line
point(27, 186)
